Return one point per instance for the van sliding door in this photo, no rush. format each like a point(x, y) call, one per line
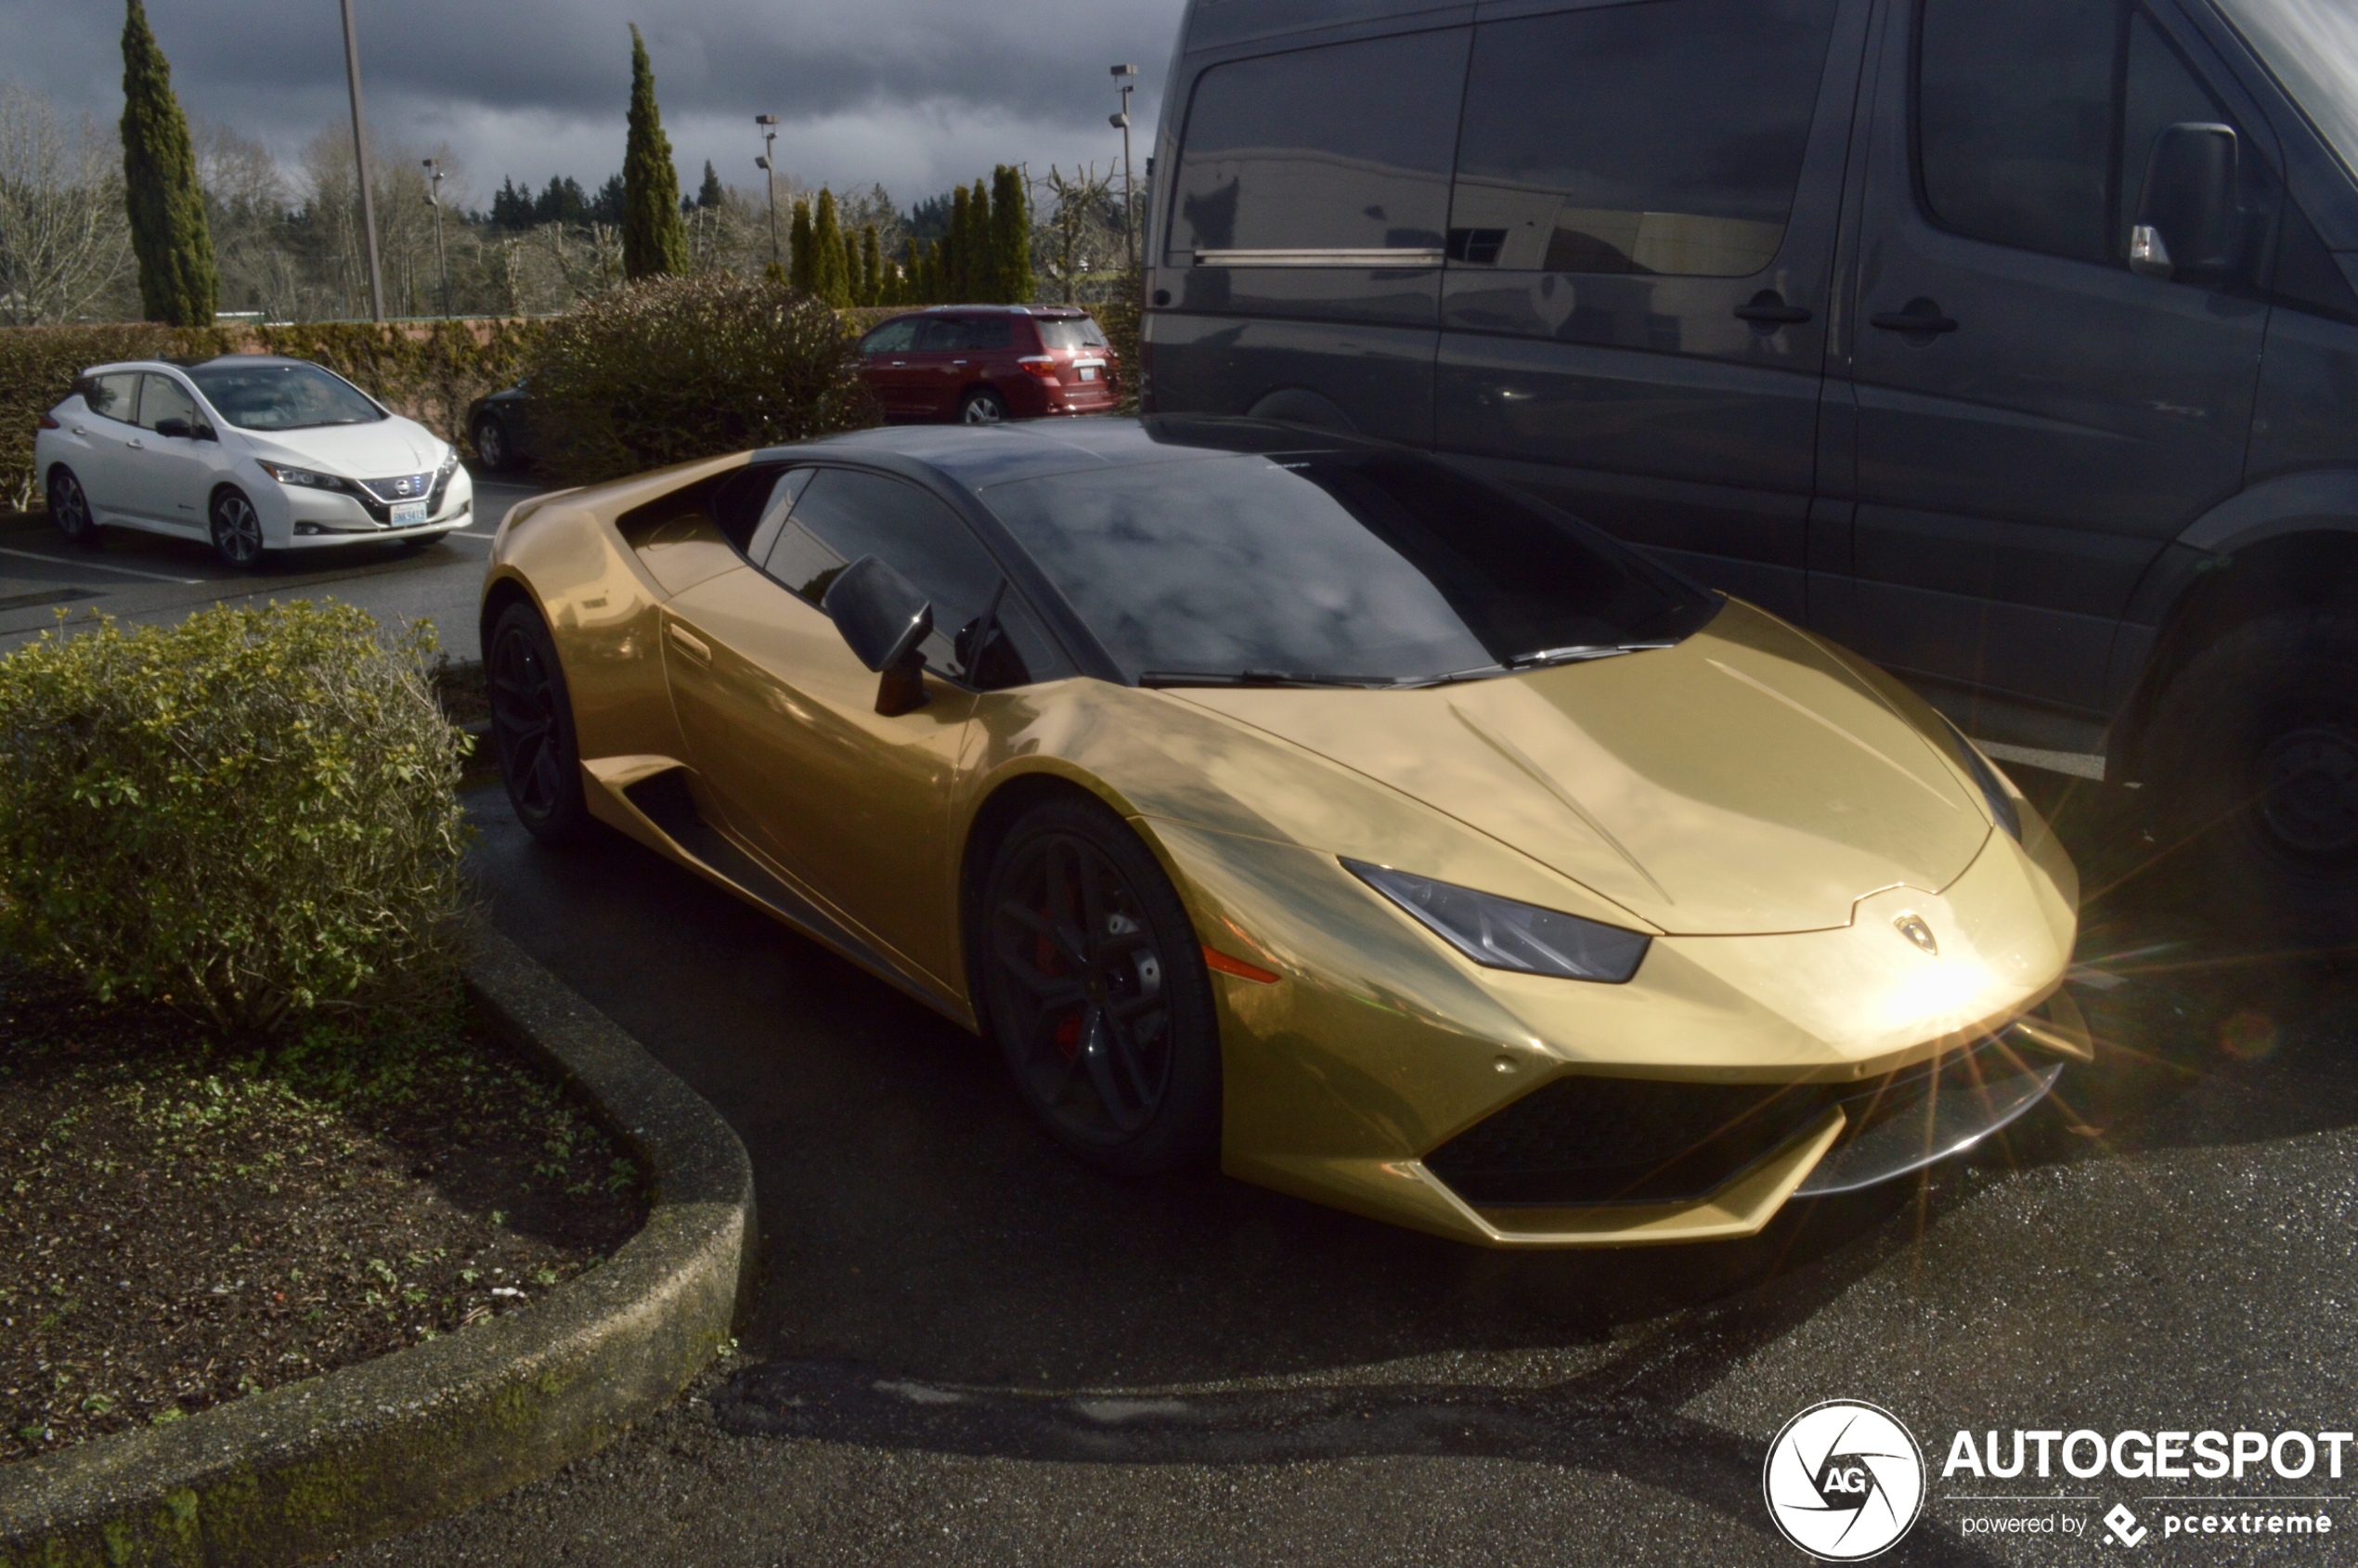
point(1639, 244)
point(1304, 235)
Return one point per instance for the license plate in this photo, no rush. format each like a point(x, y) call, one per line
point(1088, 372)
point(406, 512)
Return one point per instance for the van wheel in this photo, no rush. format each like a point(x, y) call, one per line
point(982, 405)
point(2256, 764)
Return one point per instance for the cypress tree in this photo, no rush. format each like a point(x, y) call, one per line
point(709, 194)
point(1011, 235)
point(983, 266)
point(912, 276)
point(828, 278)
point(177, 280)
point(954, 249)
point(653, 240)
point(800, 256)
point(871, 267)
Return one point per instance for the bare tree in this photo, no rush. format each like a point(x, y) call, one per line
point(1078, 244)
point(65, 248)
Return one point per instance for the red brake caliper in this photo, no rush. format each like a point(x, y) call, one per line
point(1067, 1035)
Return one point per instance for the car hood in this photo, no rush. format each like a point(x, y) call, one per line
point(1743, 782)
point(354, 452)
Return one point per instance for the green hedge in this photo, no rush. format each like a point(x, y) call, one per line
point(251, 816)
point(427, 370)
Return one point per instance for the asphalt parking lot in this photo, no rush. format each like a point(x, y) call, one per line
point(968, 1349)
point(137, 576)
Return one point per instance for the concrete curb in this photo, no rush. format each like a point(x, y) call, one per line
point(303, 1471)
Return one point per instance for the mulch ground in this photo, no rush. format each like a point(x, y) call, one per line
point(182, 1223)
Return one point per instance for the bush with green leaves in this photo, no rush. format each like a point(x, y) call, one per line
point(671, 369)
point(251, 816)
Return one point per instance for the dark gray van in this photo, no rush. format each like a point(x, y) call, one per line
point(2012, 342)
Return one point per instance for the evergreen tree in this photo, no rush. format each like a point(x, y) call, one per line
point(983, 266)
point(1011, 236)
point(828, 279)
point(511, 208)
point(953, 251)
point(913, 288)
point(653, 240)
point(709, 194)
point(871, 267)
point(179, 283)
point(611, 205)
point(799, 256)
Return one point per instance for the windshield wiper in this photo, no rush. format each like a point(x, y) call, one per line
point(1578, 653)
point(1260, 678)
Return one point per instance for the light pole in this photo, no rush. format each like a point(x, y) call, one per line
point(434, 174)
point(767, 164)
point(360, 161)
point(1126, 77)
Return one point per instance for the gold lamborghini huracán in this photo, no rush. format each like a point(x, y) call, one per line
point(1307, 803)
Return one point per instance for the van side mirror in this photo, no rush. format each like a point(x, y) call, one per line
point(2186, 208)
point(883, 618)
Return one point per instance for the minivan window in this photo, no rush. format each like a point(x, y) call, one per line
point(2311, 48)
point(1360, 567)
point(1068, 334)
point(1663, 137)
point(893, 337)
point(1342, 148)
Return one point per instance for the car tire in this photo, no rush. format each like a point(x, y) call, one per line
point(532, 729)
point(70, 509)
point(2254, 759)
point(982, 405)
point(1094, 987)
point(237, 530)
point(491, 444)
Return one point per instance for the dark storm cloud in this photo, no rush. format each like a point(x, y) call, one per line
point(532, 86)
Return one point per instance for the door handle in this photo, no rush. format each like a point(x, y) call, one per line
point(137, 445)
point(690, 644)
point(82, 430)
point(1768, 310)
point(1920, 317)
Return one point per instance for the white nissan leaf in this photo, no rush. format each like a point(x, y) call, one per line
point(251, 453)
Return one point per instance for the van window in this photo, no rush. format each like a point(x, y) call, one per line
point(1340, 148)
point(893, 337)
point(2017, 107)
point(1663, 137)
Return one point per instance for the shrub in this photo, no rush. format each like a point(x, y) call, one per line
point(251, 816)
point(671, 369)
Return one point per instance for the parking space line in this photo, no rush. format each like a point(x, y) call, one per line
point(97, 566)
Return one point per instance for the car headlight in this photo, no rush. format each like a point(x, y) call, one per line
point(286, 474)
point(1994, 792)
point(1502, 933)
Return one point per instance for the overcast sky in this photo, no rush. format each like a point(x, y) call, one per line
point(916, 94)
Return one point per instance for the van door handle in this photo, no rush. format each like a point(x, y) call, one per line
point(1919, 317)
point(690, 644)
point(1767, 308)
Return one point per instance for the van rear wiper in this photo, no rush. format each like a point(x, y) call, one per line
point(1260, 678)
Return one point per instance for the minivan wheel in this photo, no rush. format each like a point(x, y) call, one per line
point(491, 443)
point(70, 509)
point(2255, 758)
point(982, 405)
point(237, 531)
point(1094, 987)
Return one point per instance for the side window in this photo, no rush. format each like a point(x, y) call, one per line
point(1340, 148)
point(116, 395)
point(939, 334)
point(1663, 137)
point(774, 511)
point(163, 399)
point(989, 332)
point(840, 516)
point(893, 337)
point(2034, 118)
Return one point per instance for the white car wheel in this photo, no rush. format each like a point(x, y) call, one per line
point(237, 530)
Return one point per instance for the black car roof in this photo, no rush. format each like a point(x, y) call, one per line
point(979, 457)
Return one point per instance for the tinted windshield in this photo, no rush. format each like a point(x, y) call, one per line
point(2312, 46)
point(1068, 334)
point(1379, 567)
point(281, 396)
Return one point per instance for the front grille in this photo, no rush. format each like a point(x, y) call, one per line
point(400, 487)
point(1578, 1141)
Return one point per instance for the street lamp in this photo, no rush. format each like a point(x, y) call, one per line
point(360, 166)
point(1126, 77)
point(434, 173)
point(767, 164)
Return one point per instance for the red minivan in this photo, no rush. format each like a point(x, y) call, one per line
point(980, 364)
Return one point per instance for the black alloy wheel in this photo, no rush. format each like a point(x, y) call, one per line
point(70, 509)
point(532, 729)
point(491, 443)
point(2256, 759)
point(982, 405)
point(1096, 991)
point(237, 530)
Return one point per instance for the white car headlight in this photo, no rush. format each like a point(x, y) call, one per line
point(287, 474)
point(1502, 933)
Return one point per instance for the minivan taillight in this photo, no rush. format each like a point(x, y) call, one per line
point(49, 422)
point(1040, 365)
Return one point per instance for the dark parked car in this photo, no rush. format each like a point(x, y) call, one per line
point(2009, 341)
point(980, 364)
point(500, 427)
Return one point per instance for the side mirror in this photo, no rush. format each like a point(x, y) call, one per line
point(204, 433)
point(176, 426)
point(883, 618)
point(2185, 210)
